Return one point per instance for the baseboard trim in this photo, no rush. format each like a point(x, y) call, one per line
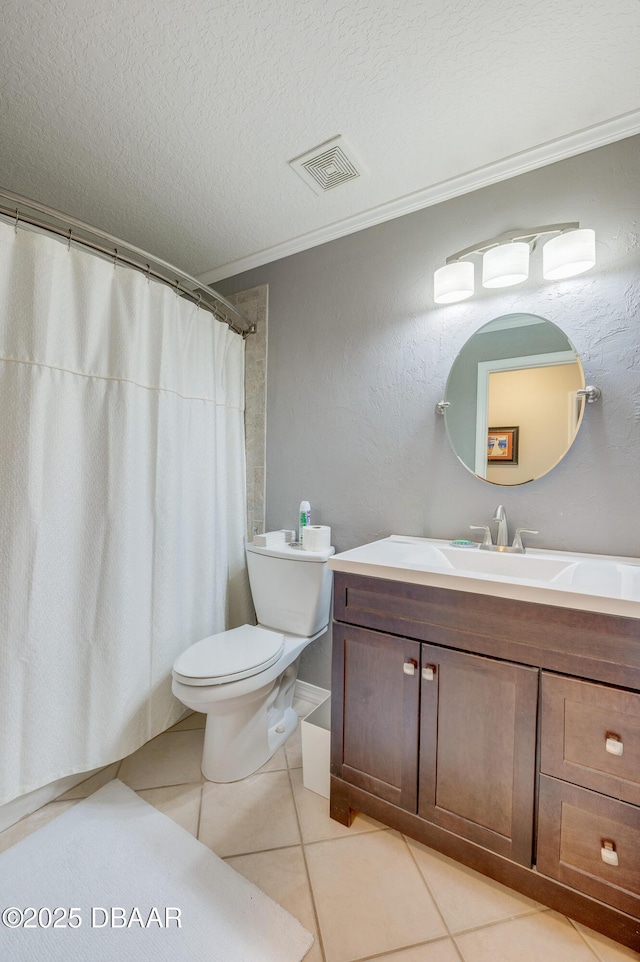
point(311, 693)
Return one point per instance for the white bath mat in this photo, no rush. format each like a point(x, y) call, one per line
point(114, 880)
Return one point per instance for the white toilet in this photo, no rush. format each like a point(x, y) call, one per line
point(243, 679)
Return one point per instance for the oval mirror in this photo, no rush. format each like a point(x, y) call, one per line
point(512, 409)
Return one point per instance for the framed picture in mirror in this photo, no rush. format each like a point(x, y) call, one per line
point(502, 445)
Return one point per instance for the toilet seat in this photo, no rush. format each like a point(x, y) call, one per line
point(228, 656)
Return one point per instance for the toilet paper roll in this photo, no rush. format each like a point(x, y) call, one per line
point(316, 537)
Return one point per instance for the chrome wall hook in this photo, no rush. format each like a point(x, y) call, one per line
point(442, 406)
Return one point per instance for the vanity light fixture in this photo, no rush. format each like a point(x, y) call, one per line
point(453, 282)
point(505, 265)
point(568, 254)
point(505, 260)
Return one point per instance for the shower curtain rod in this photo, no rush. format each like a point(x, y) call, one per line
point(23, 210)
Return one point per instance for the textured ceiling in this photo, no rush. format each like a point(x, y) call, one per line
point(170, 124)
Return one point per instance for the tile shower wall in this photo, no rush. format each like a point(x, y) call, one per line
point(254, 305)
point(359, 355)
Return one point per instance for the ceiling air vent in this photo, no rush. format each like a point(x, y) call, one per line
point(326, 166)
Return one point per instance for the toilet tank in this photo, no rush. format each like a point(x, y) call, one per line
point(291, 588)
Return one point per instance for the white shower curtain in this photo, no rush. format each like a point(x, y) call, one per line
point(122, 494)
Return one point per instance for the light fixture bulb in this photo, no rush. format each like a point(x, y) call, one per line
point(568, 254)
point(505, 265)
point(453, 282)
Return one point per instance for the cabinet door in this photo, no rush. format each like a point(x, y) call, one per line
point(477, 749)
point(375, 724)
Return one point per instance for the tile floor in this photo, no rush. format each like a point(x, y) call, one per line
point(365, 892)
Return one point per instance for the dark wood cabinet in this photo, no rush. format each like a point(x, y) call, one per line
point(478, 749)
point(379, 747)
point(505, 736)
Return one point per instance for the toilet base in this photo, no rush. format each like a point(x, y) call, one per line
point(240, 738)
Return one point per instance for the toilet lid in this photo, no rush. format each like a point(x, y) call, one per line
point(229, 656)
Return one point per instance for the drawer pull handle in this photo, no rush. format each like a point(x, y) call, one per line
point(429, 672)
point(608, 852)
point(614, 744)
point(410, 667)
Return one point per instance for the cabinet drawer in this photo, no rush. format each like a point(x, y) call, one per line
point(590, 842)
point(591, 736)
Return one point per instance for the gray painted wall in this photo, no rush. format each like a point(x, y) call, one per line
point(359, 355)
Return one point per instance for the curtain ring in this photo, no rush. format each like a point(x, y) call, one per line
point(148, 272)
point(199, 300)
point(177, 287)
point(115, 258)
point(69, 241)
point(17, 218)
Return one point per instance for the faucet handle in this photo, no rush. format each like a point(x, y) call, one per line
point(517, 538)
point(487, 532)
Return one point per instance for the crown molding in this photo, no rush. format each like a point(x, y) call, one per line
point(598, 135)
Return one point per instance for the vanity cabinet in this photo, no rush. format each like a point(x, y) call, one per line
point(503, 733)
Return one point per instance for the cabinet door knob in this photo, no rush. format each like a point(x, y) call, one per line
point(608, 852)
point(429, 672)
point(410, 667)
point(613, 744)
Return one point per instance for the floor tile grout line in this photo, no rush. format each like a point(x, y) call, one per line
point(458, 950)
point(426, 884)
point(483, 925)
point(489, 925)
point(199, 820)
point(152, 788)
point(516, 918)
point(584, 939)
point(344, 838)
point(308, 874)
point(405, 948)
point(260, 851)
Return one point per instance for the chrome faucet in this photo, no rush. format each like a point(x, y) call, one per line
point(502, 534)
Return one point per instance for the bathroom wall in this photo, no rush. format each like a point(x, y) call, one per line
point(359, 355)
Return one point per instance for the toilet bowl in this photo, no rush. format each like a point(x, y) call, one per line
point(243, 679)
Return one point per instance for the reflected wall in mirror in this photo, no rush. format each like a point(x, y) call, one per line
point(513, 410)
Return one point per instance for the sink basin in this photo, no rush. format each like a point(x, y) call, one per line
point(566, 579)
point(533, 567)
